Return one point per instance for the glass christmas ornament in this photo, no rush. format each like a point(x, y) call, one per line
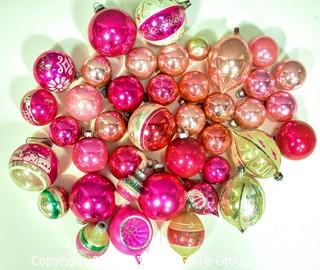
point(216, 170)
point(281, 106)
point(198, 48)
point(264, 51)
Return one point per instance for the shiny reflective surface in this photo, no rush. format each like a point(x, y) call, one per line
point(290, 75)
point(219, 107)
point(198, 48)
point(264, 51)
point(281, 106)
point(216, 170)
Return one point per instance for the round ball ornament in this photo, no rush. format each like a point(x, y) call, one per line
point(198, 48)
point(151, 127)
point(281, 106)
point(264, 51)
point(216, 170)
point(53, 202)
point(54, 70)
point(161, 22)
point(131, 186)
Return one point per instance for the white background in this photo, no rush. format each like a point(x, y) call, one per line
point(287, 237)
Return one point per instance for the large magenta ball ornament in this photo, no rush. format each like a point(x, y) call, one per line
point(64, 131)
point(126, 160)
point(163, 196)
point(151, 127)
point(90, 154)
point(54, 70)
point(130, 231)
point(84, 102)
point(185, 157)
point(39, 107)
point(216, 170)
point(112, 32)
point(161, 22)
point(92, 198)
point(126, 93)
point(264, 51)
point(296, 140)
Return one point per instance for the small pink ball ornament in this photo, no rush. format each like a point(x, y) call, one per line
point(216, 170)
point(264, 51)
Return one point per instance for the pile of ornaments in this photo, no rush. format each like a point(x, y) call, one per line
point(208, 123)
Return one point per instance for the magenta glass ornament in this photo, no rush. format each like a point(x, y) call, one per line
point(203, 199)
point(92, 198)
point(112, 32)
point(281, 106)
point(39, 107)
point(163, 196)
point(64, 131)
point(216, 170)
point(185, 157)
point(90, 154)
point(260, 84)
point(54, 70)
point(296, 140)
point(130, 231)
point(84, 102)
point(126, 93)
point(126, 160)
point(264, 51)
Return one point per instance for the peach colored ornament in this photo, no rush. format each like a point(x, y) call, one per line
point(219, 107)
point(198, 48)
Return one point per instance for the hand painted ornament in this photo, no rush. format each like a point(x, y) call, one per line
point(130, 232)
point(141, 62)
point(39, 107)
point(219, 107)
point(110, 126)
point(296, 140)
point(162, 89)
point(216, 139)
point(54, 70)
point(90, 154)
point(151, 127)
point(173, 60)
point(186, 234)
point(257, 152)
point(163, 196)
point(216, 170)
point(92, 198)
point(126, 93)
point(161, 22)
point(112, 32)
point(264, 51)
point(84, 102)
point(64, 131)
point(242, 201)
point(33, 166)
point(53, 202)
point(96, 70)
point(203, 199)
point(190, 119)
point(198, 48)
point(194, 86)
point(229, 62)
point(93, 240)
point(185, 157)
point(281, 106)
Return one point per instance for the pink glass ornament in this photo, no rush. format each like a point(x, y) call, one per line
point(112, 32)
point(185, 157)
point(296, 140)
point(162, 89)
point(173, 60)
point(290, 75)
point(281, 106)
point(250, 113)
point(163, 196)
point(260, 84)
point(39, 107)
point(219, 107)
point(90, 154)
point(64, 131)
point(84, 102)
point(126, 160)
point(54, 70)
point(216, 170)
point(264, 51)
point(92, 198)
point(33, 166)
point(141, 62)
point(130, 231)
point(126, 93)
point(203, 199)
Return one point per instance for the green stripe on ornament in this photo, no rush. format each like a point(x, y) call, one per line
point(90, 246)
point(53, 202)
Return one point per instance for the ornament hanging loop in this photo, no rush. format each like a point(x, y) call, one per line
point(184, 3)
point(97, 7)
point(43, 140)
